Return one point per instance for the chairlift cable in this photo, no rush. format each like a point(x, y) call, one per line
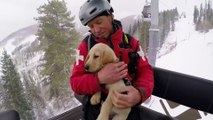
point(167, 5)
point(163, 4)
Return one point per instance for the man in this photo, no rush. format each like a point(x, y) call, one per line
point(98, 16)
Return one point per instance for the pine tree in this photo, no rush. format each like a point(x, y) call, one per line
point(201, 12)
point(208, 11)
point(14, 93)
point(57, 36)
point(34, 95)
point(196, 14)
point(144, 36)
point(166, 22)
point(205, 19)
point(2, 95)
point(163, 27)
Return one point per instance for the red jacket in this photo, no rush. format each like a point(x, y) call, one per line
point(84, 83)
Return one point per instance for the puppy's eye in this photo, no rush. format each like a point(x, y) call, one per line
point(96, 56)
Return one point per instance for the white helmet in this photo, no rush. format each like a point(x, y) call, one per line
point(92, 8)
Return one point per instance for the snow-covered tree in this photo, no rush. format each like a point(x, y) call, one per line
point(14, 97)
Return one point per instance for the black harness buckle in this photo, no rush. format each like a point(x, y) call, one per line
point(127, 82)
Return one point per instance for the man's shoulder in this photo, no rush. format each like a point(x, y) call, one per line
point(89, 40)
point(85, 39)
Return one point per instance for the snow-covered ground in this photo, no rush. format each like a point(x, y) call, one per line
point(191, 53)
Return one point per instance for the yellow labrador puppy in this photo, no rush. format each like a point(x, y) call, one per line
point(99, 55)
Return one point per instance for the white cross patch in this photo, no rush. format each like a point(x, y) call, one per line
point(78, 57)
point(141, 53)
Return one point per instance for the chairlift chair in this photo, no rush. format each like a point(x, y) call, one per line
point(147, 10)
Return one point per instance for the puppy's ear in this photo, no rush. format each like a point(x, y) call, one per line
point(87, 57)
point(108, 56)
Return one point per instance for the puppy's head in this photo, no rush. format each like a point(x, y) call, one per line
point(99, 55)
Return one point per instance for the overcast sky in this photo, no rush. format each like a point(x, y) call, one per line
point(17, 14)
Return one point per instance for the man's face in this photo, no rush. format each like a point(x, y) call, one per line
point(101, 26)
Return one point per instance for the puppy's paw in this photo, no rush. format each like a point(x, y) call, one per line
point(95, 99)
point(102, 117)
point(117, 117)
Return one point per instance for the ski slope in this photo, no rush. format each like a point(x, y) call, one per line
point(186, 51)
point(193, 53)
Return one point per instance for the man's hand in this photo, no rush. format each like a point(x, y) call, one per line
point(112, 72)
point(126, 97)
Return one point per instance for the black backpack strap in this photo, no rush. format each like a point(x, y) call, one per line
point(90, 41)
point(133, 56)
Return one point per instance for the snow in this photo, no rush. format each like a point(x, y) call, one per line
point(186, 51)
point(193, 54)
point(12, 43)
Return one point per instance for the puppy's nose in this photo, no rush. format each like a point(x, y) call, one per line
point(86, 67)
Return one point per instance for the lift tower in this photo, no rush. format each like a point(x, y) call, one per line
point(153, 32)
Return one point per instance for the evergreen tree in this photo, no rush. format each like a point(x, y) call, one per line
point(57, 36)
point(209, 11)
point(2, 95)
point(34, 95)
point(196, 14)
point(163, 28)
point(205, 11)
point(205, 17)
point(14, 93)
point(166, 23)
point(201, 12)
point(144, 36)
